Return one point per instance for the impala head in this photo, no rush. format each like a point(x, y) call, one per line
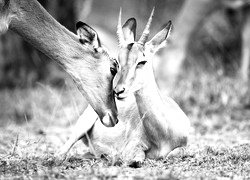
point(104, 69)
point(135, 58)
point(87, 62)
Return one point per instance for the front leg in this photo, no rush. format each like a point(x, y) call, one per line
point(138, 159)
point(134, 153)
point(82, 126)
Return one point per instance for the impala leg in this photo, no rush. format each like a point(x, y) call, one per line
point(177, 152)
point(135, 154)
point(82, 126)
point(138, 160)
point(139, 157)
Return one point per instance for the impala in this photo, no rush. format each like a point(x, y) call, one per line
point(82, 56)
point(150, 126)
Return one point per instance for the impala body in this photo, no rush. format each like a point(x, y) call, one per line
point(150, 126)
point(82, 56)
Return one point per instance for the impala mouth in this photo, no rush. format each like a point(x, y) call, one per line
point(120, 98)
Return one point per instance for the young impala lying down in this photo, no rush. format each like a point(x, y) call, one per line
point(149, 126)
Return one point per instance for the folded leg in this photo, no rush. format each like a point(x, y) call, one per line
point(138, 159)
point(134, 153)
point(82, 126)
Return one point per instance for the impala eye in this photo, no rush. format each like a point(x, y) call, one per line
point(113, 71)
point(141, 64)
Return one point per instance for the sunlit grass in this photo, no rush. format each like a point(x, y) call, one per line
point(35, 122)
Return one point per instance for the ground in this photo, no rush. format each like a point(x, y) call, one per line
point(35, 122)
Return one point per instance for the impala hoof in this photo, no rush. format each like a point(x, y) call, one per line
point(135, 164)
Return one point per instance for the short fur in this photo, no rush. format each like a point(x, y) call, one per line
point(149, 125)
point(89, 68)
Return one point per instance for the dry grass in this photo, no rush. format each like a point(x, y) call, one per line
point(35, 122)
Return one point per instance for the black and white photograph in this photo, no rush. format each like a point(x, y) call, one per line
point(125, 89)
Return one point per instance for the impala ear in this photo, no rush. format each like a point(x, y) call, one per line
point(87, 35)
point(161, 36)
point(129, 30)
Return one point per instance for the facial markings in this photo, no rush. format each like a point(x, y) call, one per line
point(129, 58)
point(114, 66)
point(106, 56)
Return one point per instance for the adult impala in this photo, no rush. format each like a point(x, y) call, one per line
point(150, 126)
point(82, 57)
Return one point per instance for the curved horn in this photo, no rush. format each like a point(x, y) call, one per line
point(145, 34)
point(119, 29)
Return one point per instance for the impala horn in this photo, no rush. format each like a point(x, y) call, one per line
point(119, 30)
point(145, 34)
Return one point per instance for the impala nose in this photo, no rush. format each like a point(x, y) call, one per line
point(119, 90)
point(109, 121)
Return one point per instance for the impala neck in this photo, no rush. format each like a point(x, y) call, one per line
point(45, 33)
point(148, 98)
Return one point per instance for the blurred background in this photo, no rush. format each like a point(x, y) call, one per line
point(216, 44)
point(205, 50)
point(23, 68)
